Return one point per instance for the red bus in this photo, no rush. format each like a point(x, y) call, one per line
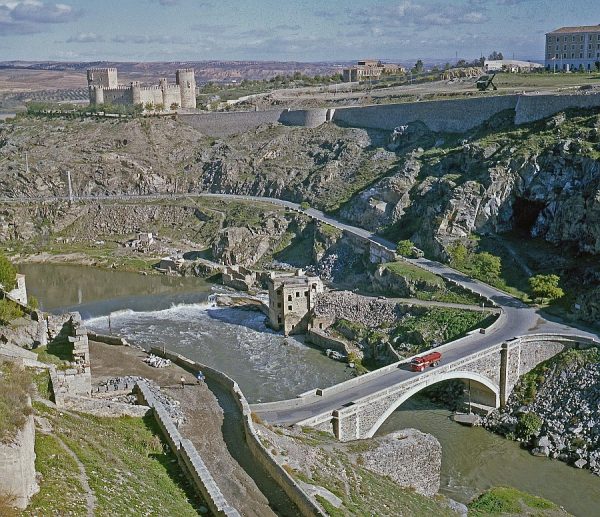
point(418, 364)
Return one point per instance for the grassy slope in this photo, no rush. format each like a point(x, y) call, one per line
point(510, 501)
point(125, 461)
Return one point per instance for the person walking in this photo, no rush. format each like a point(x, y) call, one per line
point(182, 382)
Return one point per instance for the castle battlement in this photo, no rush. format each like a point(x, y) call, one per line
point(104, 88)
point(115, 88)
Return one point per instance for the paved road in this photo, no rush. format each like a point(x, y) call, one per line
point(517, 319)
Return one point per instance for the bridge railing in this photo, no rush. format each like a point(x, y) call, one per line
point(319, 393)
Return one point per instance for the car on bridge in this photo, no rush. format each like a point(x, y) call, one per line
point(418, 364)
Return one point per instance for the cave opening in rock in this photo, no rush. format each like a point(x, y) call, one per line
point(525, 213)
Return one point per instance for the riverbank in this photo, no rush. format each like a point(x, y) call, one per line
point(204, 418)
point(174, 311)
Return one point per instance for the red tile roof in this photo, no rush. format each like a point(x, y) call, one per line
point(581, 28)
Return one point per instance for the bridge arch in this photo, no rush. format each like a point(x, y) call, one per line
point(488, 384)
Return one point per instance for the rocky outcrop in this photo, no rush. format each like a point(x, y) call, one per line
point(368, 311)
point(589, 305)
point(247, 245)
point(567, 405)
point(409, 457)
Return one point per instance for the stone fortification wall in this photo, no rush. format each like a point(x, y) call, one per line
point(304, 503)
point(536, 107)
point(225, 124)
point(17, 466)
point(453, 116)
point(305, 118)
point(187, 455)
point(324, 341)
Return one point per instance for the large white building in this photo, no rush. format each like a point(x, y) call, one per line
point(573, 48)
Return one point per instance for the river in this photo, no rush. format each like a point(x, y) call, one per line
point(176, 313)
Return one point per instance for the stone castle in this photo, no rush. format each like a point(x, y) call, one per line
point(104, 88)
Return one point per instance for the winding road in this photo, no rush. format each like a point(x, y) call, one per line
point(516, 319)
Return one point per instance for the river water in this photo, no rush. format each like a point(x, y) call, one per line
point(177, 313)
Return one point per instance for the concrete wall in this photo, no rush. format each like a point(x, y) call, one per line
point(305, 118)
point(536, 107)
point(187, 456)
point(454, 116)
point(322, 340)
point(17, 466)
point(225, 124)
point(304, 503)
point(451, 116)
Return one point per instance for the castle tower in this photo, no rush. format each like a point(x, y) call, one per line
point(136, 93)
point(103, 77)
point(187, 85)
point(98, 79)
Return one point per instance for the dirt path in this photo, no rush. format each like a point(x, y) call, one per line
point(204, 420)
point(90, 498)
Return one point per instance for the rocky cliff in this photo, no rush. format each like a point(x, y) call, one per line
point(555, 409)
point(542, 179)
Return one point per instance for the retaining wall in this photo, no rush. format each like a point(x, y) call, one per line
point(109, 340)
point(17, 465)
point(536, 107)
point(230, 123)
point(449, 116)
point(187, 456)
point(305, 118)
point(304, 503)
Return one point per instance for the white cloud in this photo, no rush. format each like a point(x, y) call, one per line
point(85, 37)
point(28, 16)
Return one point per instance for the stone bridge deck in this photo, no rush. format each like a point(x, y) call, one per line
point(356, 408)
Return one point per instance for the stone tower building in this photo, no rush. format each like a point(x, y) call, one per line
point(186, 81)
point(103, 88)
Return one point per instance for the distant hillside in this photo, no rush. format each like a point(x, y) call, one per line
point(205, 70)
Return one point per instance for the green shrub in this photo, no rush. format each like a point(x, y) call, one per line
point(405, 248)
point(528, 425)
point(546, 287)
point(15, 388)
point(8, 273)
point(9, 311)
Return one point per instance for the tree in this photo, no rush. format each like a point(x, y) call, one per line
point(174, 106)
point(405, 248)
point(8, 274)
point(487, 265)
point(149, 106)
point(419, 67)
point(458, 253)
point(597, 65)
point(160, 107)
point(546, 286)
point(496, 56)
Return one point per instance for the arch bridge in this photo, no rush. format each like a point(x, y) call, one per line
point(355, 409)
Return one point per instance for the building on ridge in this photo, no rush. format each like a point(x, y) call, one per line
point(510, 65)
point(291, 300)
point(104, 88)
point(369, 69)
point(573, 48)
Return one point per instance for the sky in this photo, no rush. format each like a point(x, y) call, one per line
point(282, 30)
